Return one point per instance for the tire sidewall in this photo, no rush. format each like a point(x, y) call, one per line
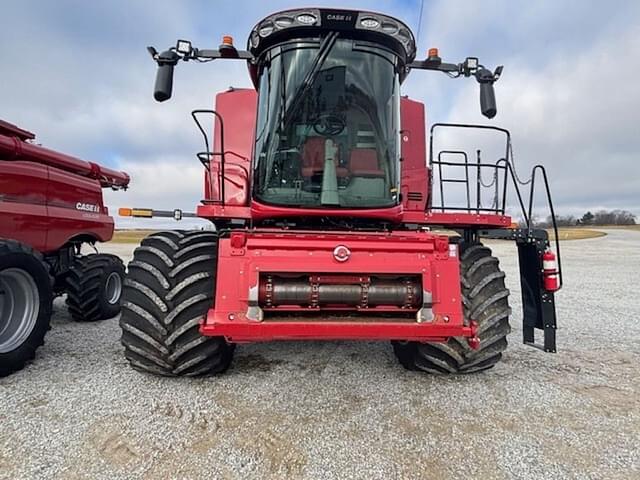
point(15, 359)
point(109, 310)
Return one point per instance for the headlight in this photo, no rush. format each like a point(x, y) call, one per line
point(283, 22)
point(306, 18)
point(266, 29)
point(389, 27)
point(255, 39)
point(370, 22)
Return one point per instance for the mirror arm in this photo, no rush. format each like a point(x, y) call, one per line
point(436, 65)
point(168, 59)
point(470, 67)
point(210, 54)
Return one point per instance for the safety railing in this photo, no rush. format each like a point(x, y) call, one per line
point(503, 172)
point(205, 157)
point(543, 174)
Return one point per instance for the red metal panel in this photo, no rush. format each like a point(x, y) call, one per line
point(13, 148)
point(409, 253)
point(415, 173)
point(23, 202)
point(238, 110)
point(261, 211)
point(214, 211)
point(45, 207)
point(458, 219)
point(75, 207)
point(244, 332)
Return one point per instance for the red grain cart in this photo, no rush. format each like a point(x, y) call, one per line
point(325, 211)
point(50, 205)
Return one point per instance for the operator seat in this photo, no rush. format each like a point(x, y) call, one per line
point(367, 178)
point(313, 158)
point(363, 162)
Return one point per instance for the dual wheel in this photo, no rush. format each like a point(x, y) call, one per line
point(94, 287)
point(171, 283)
point(94, 284)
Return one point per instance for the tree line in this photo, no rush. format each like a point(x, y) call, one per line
point(601, 217)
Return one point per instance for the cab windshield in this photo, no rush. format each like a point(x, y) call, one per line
point(328, 127)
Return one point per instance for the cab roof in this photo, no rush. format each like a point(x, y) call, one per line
point(314, 22)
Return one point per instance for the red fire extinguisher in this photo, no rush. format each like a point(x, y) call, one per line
point(550, 271)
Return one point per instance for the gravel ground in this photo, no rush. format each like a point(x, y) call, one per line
point(345, 409)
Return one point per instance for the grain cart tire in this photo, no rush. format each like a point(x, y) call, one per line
point(94, 287)
point(25, 304)
point(485, 300)
point(168, 290)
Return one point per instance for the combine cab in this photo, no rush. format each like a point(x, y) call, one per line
point(50, 205)
point(326, 213)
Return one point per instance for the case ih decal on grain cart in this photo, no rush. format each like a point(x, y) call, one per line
point(50, 205)
point(324, 210)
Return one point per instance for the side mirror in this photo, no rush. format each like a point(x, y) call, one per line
point(487, 95)
point(488, 100)
point(164, 76)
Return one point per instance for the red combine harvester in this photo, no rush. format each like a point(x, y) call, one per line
point(325, 213)
point(50, 205)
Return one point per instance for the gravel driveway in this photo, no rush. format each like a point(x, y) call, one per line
point(345, 409)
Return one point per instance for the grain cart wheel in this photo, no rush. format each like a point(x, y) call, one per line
point(25, 304)
point(485, 300)
point(169, 288)
point(94, 287)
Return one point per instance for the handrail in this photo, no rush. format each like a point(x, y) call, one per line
point(228, 152)
point(506, 164)
point(502, 164)
point(527, 218)
point(540, 168)
point(221, 177)
point(466, 171)
point(467, 125)
point(478, 164)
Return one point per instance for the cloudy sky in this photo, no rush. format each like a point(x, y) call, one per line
point(77, 73)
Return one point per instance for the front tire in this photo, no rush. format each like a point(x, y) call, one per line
point(94, 287)
point(169, 288)
point(25, 304)
point(485, 300)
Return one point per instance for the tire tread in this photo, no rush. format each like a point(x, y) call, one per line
point(174, 270)
point(485, 300)
point(84, 287)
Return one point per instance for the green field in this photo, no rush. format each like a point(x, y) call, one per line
point(130, 236)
